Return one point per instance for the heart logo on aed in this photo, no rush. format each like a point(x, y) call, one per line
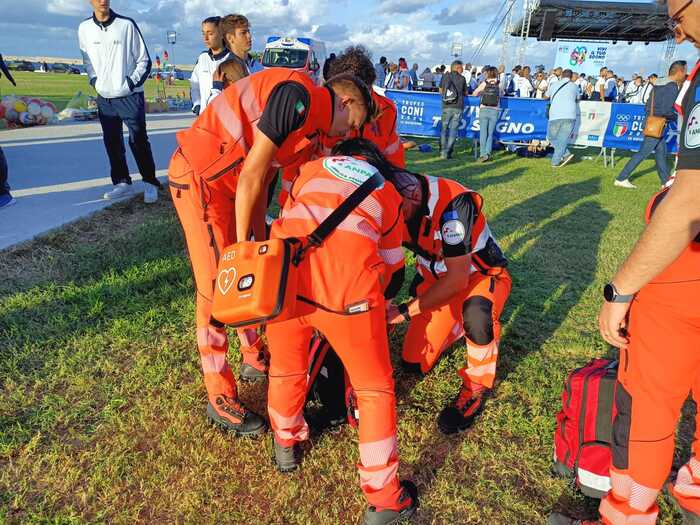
point(226, 280)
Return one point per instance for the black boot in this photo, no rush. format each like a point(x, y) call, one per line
point(460, 415)
point(231, 415)
point(287, 459)
point(408, 503)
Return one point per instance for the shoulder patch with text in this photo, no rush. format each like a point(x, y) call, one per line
point(453, 232)
point(349, 169)
point(692, 130)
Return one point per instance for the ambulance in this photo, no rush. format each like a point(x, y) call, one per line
point(302, 54)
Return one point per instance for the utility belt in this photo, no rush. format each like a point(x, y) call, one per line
point(257, 282)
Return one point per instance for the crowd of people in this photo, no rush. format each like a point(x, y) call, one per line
point(331, 142)
point(522, 81)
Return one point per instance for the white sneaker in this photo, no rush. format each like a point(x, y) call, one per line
point(625, 184)
point(566, 160)
point(120, 190)
point(150, 193)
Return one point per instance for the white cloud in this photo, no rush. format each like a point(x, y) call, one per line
point(404, 6)
point(68, 7)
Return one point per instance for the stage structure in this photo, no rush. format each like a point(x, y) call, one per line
point(581, 20)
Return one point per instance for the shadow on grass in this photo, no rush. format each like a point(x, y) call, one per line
point(552, 264)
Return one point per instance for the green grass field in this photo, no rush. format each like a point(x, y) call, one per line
point(59, 88)
point(102, 406)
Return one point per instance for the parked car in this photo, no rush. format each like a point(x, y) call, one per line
point(21, 65)
point(64, 68)
point(82, 70)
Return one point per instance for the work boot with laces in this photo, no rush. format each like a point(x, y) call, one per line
point(460, 415)
point(256, 360)
point(231, 415)
point(405, 508)
point(287, 459)
point(556, 518)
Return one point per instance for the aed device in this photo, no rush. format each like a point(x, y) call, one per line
point(253, 282)
point(257, 281)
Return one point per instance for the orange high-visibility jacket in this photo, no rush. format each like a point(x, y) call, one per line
point(486, 255)
point(217, 143)
point(356, 262)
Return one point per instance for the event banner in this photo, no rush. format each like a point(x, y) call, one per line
point(626, 128)
point(582, 57)
point(420, 114)
point(599, 124)
point(591, 124)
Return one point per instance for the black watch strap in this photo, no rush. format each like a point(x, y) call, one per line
point(613, 296)
point(403, 309)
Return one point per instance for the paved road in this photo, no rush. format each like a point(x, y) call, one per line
point(59, 173)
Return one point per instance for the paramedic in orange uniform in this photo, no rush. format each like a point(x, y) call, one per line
point(269, 118)
point(343, 298)
point(460, 289)
point(381, 131)
point(652, 313)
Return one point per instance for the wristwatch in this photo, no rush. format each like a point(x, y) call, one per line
point(403, 310)
point(613, 296)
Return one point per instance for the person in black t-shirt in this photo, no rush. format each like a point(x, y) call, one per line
point(453, 90)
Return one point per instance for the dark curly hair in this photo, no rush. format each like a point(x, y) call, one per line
point(356, 60)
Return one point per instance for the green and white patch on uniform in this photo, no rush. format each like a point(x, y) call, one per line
point(349, 169)
point(300, 107)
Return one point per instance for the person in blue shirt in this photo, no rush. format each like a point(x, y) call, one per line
point(413, 73)
point(610, 86)
point(380, 70)
point(562, 95)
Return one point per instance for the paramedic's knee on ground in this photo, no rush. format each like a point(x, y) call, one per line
point(478, 320)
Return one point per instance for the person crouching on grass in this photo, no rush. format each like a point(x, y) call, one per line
point(461, 287)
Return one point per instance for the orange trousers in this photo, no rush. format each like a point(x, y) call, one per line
point(658, 369)
point(208, 221)
point(474, 314)
point(361, 343)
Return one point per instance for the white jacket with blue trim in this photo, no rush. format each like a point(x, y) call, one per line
point(115, 55)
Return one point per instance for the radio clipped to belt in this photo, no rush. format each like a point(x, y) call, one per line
point(257, 281)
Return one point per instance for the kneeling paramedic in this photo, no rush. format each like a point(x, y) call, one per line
point(270, 118)
point(460, 289)
point(341, 295)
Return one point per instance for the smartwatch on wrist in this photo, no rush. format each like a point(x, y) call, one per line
point(613, 296)
point(403, 310)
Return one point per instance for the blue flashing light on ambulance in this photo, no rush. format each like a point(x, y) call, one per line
point(302, 54)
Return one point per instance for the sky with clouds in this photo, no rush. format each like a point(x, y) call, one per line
point(420, 30)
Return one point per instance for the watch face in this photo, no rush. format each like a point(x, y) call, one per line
point(609, 292)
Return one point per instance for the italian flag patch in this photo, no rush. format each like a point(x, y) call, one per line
point(300, 107)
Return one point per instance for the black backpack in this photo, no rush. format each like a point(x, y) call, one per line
point(449, 93)
point(328, 384)
point(490, 96)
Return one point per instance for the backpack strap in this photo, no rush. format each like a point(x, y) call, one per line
point(338, 215)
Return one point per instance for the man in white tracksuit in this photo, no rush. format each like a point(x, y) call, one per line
point(203, 85)
point(118, 64)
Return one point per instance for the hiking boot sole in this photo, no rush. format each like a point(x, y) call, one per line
point(218, 421)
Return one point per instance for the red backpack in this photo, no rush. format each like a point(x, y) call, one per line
point(583, 439)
